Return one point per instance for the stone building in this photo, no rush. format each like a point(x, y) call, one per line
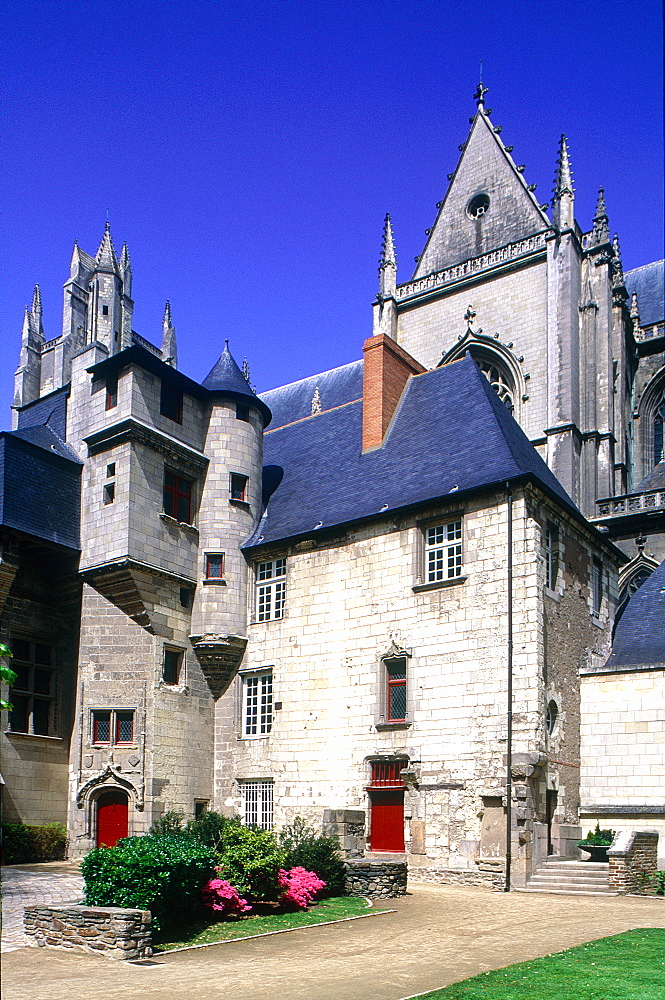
point(311, 602)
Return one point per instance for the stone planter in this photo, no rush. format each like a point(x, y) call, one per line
point(597, 852)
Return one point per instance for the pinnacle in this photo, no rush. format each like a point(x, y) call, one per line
point(601, 227)
point(124, 257)
point(563, 179)
point(37, 300)
point(166, 323)
point(387, 246)
point(106, 252)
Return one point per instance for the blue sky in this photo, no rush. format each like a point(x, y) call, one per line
point(248, 151)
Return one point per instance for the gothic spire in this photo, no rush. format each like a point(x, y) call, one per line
point(387, 262)
point(169, 344)
point(36, 301)
point(106, 252)
point(564, 198)
point(601, 223)
point(563, 179)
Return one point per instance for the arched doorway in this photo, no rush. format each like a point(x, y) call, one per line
point(112, 817)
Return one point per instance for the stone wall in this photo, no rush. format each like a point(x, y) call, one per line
point(101, 930)
point(633, 861)
point(376, 879)
point(348, 825)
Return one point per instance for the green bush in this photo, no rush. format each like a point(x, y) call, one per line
point(209, 828)
point(314, 853)
point(25, 844)
point(160, 874)
point(168, 825)
point(251, 859)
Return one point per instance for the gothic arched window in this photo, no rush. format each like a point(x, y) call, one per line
point(659, 418)
point(500, 381)
point(631, 586)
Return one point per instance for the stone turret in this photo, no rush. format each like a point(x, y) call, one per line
point(229, 510)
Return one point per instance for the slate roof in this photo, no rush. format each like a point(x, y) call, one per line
point(654, 481)
point(649, 283)
point(51, 410)
point(40, 486)
point(450, 434)
point(294, 401)
point(226, 378)
point(639, 639)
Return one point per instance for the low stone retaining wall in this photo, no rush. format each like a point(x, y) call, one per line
point(102, 930)
point(487, 876)
point(377, 879)
point(633, 859)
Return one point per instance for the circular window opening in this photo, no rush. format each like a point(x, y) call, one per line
point(478, 206)
point(551, 717)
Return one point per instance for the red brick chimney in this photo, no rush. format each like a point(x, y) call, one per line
point(386, 370)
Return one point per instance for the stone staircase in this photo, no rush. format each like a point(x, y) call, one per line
point(557, 875)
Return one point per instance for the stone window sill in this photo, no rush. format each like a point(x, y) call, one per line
point(214, 580)
point(243, 504)
point(438, 584)
point(33, 736)
point(167, 519)
point(383, 727)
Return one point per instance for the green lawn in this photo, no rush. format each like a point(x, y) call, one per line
point(205, 932)
point(627, 966)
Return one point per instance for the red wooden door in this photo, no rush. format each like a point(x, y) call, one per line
point(112, 818)
point(387, 819)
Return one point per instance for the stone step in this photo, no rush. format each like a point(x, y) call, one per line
point(536, 883)
point(570, 891)
point(559, 876)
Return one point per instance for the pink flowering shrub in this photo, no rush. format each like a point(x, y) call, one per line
point(221, 897)
point(300, 887)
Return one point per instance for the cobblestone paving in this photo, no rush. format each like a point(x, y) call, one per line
point(30, 885)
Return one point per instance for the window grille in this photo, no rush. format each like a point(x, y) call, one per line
point(443, 551)
point(257, 803)
point(396, 689)
point(32, 693)
point(387, 773)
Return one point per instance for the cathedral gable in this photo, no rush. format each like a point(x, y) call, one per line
point(488, 204)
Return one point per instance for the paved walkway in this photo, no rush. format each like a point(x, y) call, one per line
point(436, 936)
point(26, 885)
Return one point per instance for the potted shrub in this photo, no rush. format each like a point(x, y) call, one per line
point(597, 844)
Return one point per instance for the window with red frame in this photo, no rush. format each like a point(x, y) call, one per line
point(112, 727)
point(178, 496)
point(396, 689)
point(238, 487)
point(214, 566)
point(111, 392)
point(387, 773)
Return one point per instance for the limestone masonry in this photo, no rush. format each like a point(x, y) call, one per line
point(314, 602)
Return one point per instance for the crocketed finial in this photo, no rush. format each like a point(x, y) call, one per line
point(601, 223)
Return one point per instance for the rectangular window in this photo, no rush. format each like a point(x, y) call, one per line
point(270, 590)
point(257, 801)
point(109, 493)
point(443, 551)
point(597, 585)
point(124, 728)
point(111, 392)
point(396, 689)
point(242, 412)
point(172, 665)
point(177, 496)
point(214, 566)
point(170, 403)
point(257, 707)
point(186, 596)
point(551, 555)
point(112, 727)
point(32, 693)
point(238, 487)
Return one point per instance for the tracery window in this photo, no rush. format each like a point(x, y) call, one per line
point(499, 380)
point(658, 420)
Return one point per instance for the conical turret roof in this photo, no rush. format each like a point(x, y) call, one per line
point(227, 378)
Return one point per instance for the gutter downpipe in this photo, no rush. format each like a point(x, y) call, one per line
point(509, 715)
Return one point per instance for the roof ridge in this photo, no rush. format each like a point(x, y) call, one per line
point(306, 378)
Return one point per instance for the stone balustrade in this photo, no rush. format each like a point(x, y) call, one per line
point(102, 930)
